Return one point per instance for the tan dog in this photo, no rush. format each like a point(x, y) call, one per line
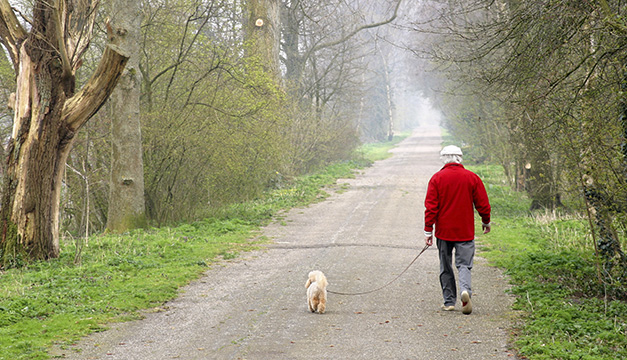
point(317, 292)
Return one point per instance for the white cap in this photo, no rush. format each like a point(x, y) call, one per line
point(451, 150)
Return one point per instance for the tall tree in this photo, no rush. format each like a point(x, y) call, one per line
point(263, 32)
point(127, 208)
point(48, 113)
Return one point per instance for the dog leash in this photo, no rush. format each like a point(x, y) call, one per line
point(393, 280)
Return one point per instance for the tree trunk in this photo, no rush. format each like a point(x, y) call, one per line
point(388, 92)
point(540, 182)
point(47, 116)
point(263, 30)
point(291, 43)
point(126, 190)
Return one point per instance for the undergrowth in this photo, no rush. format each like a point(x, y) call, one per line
point(566, 312)
point(114, 278)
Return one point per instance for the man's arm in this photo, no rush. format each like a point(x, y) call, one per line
point(482, 204)
point(431, 211)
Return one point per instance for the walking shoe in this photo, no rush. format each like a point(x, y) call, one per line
point(466, 303)
point(448, 307)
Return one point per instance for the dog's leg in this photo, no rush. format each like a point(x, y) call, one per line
point(322, 305)
point(314, 303)
point(310, 299)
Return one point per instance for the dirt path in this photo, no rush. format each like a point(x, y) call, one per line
point(255, 307)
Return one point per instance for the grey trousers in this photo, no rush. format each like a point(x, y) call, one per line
point(464, 254)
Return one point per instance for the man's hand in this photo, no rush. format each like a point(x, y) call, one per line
point(486, 228)
point(428, 238)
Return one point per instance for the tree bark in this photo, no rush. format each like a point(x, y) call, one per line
point(127, 209)
point(263, 30)
point(293, 61)
point(47, 116)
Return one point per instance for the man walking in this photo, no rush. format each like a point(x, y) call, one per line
point(452, 195)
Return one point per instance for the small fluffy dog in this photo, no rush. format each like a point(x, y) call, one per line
point(316, 292)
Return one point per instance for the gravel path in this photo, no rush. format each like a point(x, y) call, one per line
point(361, 238)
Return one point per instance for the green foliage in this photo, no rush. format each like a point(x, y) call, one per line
point(567, 329)
point(220, 130)
point(565, 311)
point(211, 155)
point(563, 316)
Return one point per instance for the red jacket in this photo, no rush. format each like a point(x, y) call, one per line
point(451, 195)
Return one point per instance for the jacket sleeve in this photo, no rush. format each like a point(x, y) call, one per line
point(432, 206)
point(481, 202)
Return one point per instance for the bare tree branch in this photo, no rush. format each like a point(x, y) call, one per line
point(58, 9)
point(11, 31)
point(359, 29)
point(82, 106)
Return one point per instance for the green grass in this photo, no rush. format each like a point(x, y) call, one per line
point(59, 300)
point(564, 311)
point(380, 151)
point(116, 277)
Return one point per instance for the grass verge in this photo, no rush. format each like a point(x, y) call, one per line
point(565, 311)
point(115, 278)
point(380, 151)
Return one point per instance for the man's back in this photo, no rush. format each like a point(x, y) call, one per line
point(452, 195)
